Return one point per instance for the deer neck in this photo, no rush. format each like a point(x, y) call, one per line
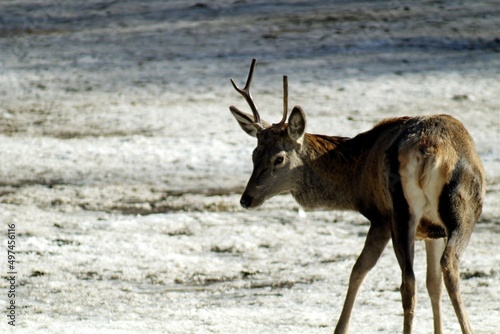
point(326, 174)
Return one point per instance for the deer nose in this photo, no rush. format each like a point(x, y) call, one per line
point(246, 201)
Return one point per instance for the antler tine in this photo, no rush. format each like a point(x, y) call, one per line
point(285, 100)
point(245, 92)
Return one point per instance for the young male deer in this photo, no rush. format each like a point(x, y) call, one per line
point(412, 177)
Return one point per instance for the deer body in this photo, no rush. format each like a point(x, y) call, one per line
point(411, 177)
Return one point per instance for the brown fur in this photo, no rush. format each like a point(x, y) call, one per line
point(411, 177)
point(356, 174)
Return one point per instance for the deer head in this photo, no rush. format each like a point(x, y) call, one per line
point(277, 155)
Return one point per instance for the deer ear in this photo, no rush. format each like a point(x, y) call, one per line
point(296, 123)
point(247, 122)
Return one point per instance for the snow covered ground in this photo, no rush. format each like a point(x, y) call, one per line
point(121, 166)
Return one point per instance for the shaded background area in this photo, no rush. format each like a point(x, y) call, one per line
point(113, 69)
point(121, 165)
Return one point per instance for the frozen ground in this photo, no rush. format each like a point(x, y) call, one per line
point(121, 166)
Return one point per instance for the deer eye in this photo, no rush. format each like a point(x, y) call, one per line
point(279, 160)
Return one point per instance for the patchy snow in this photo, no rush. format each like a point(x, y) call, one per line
point(121, 166)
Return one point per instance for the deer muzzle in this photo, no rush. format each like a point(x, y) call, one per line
point(246, 201)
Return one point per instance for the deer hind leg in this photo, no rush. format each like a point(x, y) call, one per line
point(459, 212)
point(403, 239)
point(434, 249)
point(407, 210)
point(376, 240)
point(451, 271)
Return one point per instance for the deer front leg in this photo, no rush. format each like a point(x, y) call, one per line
point(376, 240)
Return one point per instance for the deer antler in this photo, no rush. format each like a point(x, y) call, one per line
point(245, 92)
point(285, 101)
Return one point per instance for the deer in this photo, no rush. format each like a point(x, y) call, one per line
point(413, 178)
